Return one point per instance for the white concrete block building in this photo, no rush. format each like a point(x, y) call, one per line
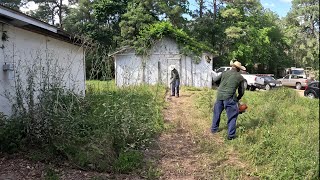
point(31, 47)
point(133, 69)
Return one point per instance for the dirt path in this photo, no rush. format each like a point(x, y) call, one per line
point(179, 154)
point(185, 151)
point(16, 167)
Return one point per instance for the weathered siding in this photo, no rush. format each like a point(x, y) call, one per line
point(44, 56)
point(202, 76)
point(128, 69)
point(163, 54)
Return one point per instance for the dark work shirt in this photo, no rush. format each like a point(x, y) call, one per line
point(174, 75)
point(231, 81)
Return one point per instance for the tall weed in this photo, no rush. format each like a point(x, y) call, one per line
point(90, 131)
point(279, 133)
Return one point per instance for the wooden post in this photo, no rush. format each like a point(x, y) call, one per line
point(191, 72)
point(159, 72)
point(143, 69)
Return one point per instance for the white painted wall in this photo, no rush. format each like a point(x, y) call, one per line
point(202, 73)
point(163, 54)
point(128, 69)
point(44, 55)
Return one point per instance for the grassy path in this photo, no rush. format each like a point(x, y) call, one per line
point(278, 140)
point(187, 150)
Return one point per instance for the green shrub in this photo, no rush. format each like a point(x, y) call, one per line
point(128, 161)
point(89, 131)
point(50, 174)
point(10, 135)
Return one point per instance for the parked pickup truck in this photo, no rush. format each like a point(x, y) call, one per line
point(293, 80)
point(252, 82)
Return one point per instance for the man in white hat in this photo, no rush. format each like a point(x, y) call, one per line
point(174, 81)
point(231, 81)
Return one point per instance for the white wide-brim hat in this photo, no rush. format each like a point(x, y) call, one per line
point(171, 67)
point(237, 64)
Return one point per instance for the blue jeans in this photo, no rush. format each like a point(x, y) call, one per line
point(175, 87)
point(231, 107)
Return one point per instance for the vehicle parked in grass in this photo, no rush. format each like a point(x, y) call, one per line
point(222, 69)
point(293, 80)
point(270, 82)
point(300, 72)
point(252, 82)
point(312, 90)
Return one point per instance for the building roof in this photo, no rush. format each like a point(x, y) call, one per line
point(122, 49)
point(21, 20)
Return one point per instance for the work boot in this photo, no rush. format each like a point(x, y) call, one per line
point(231, 138)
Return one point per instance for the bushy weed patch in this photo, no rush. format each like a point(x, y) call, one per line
point(279, 133)
point(128, 161)
point(92, 132)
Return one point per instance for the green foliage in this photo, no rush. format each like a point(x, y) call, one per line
point(279, 133)
point(154, 32)
point(105, 10)
point(43, 13)
point(48, 11)
point(10, 135)
point(137, 18)
point(172, 11)
point(51, 174)
point(14, 4)
point(153, 173)
point(97, 27)
point(86, 20)
point(231, 13)
point(255, 37)
point(89, 131)
point(302, 33)
point(245, 31)
point(128, 161)
point(143, 13)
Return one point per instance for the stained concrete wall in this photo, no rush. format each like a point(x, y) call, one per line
point(132, 69)
point(48, 59)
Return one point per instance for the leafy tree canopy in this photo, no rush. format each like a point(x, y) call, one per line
point(14, 4)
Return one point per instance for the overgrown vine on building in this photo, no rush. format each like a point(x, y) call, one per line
point(189, 46)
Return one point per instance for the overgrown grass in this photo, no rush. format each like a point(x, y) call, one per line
point(279, 134)
point(100, 131)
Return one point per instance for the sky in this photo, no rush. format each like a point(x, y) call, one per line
point(281, 7)
point(32, 6)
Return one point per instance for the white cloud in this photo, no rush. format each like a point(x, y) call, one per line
point(268, 4)
point(286, 1)
point(29, 6)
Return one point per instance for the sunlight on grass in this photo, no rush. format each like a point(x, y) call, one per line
point(278, 134)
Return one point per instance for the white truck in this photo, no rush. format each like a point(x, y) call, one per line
point(300, 72)
point(252, 82)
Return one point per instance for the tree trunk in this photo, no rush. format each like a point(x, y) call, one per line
point(201, 4)
point(214, 9)
point(52, 17)
point(60, 13)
